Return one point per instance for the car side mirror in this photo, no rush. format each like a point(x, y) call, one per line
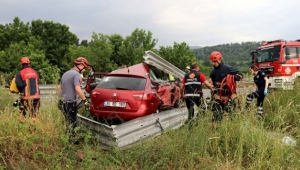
point(287, 51)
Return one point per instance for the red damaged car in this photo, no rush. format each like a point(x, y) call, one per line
point(132, 92)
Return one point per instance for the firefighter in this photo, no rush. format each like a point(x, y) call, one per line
point(191, 88)
point(27, 80)
point(70, 89)
point(261, 82)
point(223, 77)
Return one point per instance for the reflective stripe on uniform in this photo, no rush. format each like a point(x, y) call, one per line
point(249, 99)
point(35, 96)
point(194, 95)
point(189, 83)
point(260, 110)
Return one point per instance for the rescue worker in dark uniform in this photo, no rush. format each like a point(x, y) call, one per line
point(191, 88)
point(261, 82)
point(224, 98)
point(27, 83)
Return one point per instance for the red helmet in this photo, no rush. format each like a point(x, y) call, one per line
point(81, 60)
point(215, 56)
point(25, 60)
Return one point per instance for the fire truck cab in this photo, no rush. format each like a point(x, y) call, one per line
point(280, 60)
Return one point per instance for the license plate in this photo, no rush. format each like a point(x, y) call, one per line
point(114, 104)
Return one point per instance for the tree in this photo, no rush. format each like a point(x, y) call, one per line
point(56, 40)
point(98, 53)
point(133, 47)
point(179, 55)
point(116, 42)
point(14, 53)
point(84, 43)
point(14, 33)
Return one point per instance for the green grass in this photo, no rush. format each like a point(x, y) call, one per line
point(241, 143)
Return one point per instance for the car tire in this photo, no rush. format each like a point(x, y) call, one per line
point(176, 104)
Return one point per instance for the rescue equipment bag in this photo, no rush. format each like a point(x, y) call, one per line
point(13, 86)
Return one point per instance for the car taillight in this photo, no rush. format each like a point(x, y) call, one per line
point(95, 94)
point(142, 96)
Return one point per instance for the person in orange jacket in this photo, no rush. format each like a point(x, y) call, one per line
point(27, 81)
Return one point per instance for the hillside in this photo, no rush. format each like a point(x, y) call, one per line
point(234, 54)
point(195, 47)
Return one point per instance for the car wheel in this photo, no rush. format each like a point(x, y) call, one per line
point(177, 104)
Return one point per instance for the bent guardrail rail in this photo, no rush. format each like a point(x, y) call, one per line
point(153, 59)
point(136, 130)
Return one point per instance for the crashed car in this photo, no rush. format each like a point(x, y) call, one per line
point(133, 92)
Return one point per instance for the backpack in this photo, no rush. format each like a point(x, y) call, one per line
point(13, 86)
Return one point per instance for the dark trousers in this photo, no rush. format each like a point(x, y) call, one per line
point(260, 97)
point(260, 101)
point(70, 112)
point(190, 102)
point(30, 106)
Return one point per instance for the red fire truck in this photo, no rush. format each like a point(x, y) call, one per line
point(279, 59)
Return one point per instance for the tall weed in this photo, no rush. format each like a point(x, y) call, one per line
point(242, 142)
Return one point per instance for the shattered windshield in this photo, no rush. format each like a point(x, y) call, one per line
point(268, 54)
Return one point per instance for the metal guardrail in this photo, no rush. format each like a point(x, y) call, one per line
point(48, 89)
point(160, 63)
point(131, 132)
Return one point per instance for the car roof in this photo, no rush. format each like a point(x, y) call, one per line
point(140, 70)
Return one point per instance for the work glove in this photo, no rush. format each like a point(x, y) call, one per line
point(214, 90)
point(87, 105)
point(265, 91)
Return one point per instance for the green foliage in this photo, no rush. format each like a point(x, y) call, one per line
point(107, 53)
point(234, 54)
point(56, 39)
point(14, 33)
point(116, 42)
point(179, 55)
point(230, 52)
point(45, 43)
point(101, 51)
point(132, 49)
point(51, 45)
point(46, 78)
point(98, 53)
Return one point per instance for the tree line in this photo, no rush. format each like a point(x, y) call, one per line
point(234, 54)
point(52, 49)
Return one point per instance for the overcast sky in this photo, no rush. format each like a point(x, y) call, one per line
point(196, 22)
